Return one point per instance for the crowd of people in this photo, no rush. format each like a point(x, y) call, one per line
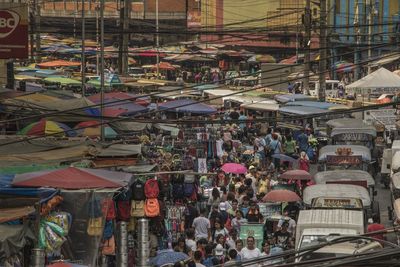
point(212, 231)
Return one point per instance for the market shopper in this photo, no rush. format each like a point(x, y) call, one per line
point(250, 251)
point(202, 226)
point(238, 220)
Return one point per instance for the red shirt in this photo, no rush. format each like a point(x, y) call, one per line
point(376, 227)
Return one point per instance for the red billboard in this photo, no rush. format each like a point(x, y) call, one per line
point(13, 30)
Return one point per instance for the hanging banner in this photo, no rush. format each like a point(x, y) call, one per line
point(193, 19)
point(13, 30)
point(202, 165)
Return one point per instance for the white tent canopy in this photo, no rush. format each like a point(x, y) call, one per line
point(378, 82)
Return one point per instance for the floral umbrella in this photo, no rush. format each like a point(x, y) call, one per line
point(234, 168)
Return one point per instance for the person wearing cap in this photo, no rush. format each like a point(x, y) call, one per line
point(219, 253)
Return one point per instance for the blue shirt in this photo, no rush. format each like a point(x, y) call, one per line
point(274, 146)
point(242, 124)
point(303, 141)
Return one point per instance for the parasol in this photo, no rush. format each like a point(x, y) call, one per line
point(281, 196)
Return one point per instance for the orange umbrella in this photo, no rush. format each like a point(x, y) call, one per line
point(281, 195)
point(164, 66)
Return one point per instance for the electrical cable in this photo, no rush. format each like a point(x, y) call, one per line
point(153, 112)
point(158, 93)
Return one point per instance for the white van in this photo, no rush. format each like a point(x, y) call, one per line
point(332, 88)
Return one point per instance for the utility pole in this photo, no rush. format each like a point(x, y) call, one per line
point(83, 59)
point(370, 31)
point(102, 68)
point(358, 37)
point(322, 53)
point(97, 40)
point(307, 45)
point(124, 36)
point(32, 6)
point(37, 28)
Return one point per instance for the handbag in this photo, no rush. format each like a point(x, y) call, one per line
point(108, 246)
point(95, 226)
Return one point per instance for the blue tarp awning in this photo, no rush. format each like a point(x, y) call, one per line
point(6, 189)
point(293, 97)
point(187, 106)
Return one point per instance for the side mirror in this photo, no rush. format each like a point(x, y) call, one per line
point(375, 193)
point(390, 213)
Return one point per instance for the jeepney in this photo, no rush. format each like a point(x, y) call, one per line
point(342, 195)
point(395, 186)
point(355, 177)
point(347, 131)
point(396, 217)
point(334, 157)
point(390, 162)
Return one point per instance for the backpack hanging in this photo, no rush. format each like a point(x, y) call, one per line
point(151, 189)
point(152, 207)
point(108, 208)
point(137, 208)
point(138, 190)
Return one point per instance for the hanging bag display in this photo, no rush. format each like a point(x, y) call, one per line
point(152, 207)
point(137, 189)
point(151, 189)
point(95, 227)
point(108, 208)
point(137, 208)
point(108, 247)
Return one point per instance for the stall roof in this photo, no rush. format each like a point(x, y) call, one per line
point(293, 97)
point(315, 104)
point(347, 125)
point(10, 214)
point(187, 106)
point(396, 161)
point(302, 110)
point(336, 190)
point(121, 150)
point(219, 92)
point(344, 175)
point(62, 81)
point(139, 168)
point(128, 126)
point(381, 78)
point(261, 106)
point(73, 178)
point(330, 150)
point(58, 63)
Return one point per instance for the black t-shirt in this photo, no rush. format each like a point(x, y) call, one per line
point(282, 239)
point(234, 115)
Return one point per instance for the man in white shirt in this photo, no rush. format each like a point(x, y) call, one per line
point(250, 251)
point(202, 226)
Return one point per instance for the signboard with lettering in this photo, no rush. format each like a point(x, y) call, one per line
point(352, 137)
point(343, 160)
point(13, 30)
point(337, 203)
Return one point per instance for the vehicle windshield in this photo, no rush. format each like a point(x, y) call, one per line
point(312, 240)
point(318, 255)
point(136, 71)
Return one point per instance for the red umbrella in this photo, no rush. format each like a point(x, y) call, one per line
point(281, 196)
point(234, 168)
point(296, 175)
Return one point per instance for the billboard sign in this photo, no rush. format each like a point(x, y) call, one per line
point(194, 19)
point(13, 30)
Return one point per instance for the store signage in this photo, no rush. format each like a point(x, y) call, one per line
point(194, 19)
point(13, 30)
point(343, 160)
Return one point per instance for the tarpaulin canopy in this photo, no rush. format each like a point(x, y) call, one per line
point(62, 81)
point(10, 214)
point(141, 100)
point(93, 129)
point(379, 81)
point(43, 194)
point(58, 63)
point(187, 106)
point(121, 150)
point(73, 178)
point(293, 97)
point(13, 239)
point(301, 110)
